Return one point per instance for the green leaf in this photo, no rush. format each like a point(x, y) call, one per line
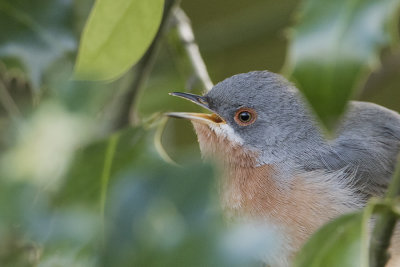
point(116, 35)
point(340, 243)
point(35, 34)
point(334, 46)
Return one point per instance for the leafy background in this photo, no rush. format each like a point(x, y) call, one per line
point(76, 192)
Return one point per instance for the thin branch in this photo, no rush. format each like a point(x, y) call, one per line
point(192, 50)
point(125, 116)
point(385, 225)
point(8, 103)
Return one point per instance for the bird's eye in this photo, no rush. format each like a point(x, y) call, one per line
point(245, 116)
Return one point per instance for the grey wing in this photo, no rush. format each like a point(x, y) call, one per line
point(367, 145)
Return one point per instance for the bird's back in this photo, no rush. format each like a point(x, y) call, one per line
point(367, 144)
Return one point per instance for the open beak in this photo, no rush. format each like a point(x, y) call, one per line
point(199, 117)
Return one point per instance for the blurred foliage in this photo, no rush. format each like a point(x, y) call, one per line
point(155, 214)
point(336, 45)
point(73, 193)
point(35, 34)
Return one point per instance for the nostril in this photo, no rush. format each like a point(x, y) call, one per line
point(202, 101)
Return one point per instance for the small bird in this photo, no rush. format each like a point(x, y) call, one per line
point(277, 165)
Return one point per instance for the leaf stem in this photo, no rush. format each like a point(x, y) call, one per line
point(158, 144)
point(385, 225)
point(105, 175)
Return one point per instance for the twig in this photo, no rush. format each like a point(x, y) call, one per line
point(124, 116)
point(192, 50)
point(385, 225)
point(8, 103)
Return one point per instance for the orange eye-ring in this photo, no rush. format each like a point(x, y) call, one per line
point(245, 116)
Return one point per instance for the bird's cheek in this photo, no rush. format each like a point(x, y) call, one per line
point(216, 144)
point(208, 140)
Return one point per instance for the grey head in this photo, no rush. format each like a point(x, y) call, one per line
point(284, 131)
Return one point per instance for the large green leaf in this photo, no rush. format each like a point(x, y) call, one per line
point(340, 243)
point(333, 46)
point(34, 34)
point(116, 35)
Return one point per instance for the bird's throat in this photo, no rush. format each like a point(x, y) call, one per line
point(215, 144)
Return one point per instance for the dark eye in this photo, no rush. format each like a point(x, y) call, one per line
point(245, 116)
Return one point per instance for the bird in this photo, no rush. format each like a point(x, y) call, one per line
point(277, 164)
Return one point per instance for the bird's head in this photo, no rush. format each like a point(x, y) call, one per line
point(256, 118)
